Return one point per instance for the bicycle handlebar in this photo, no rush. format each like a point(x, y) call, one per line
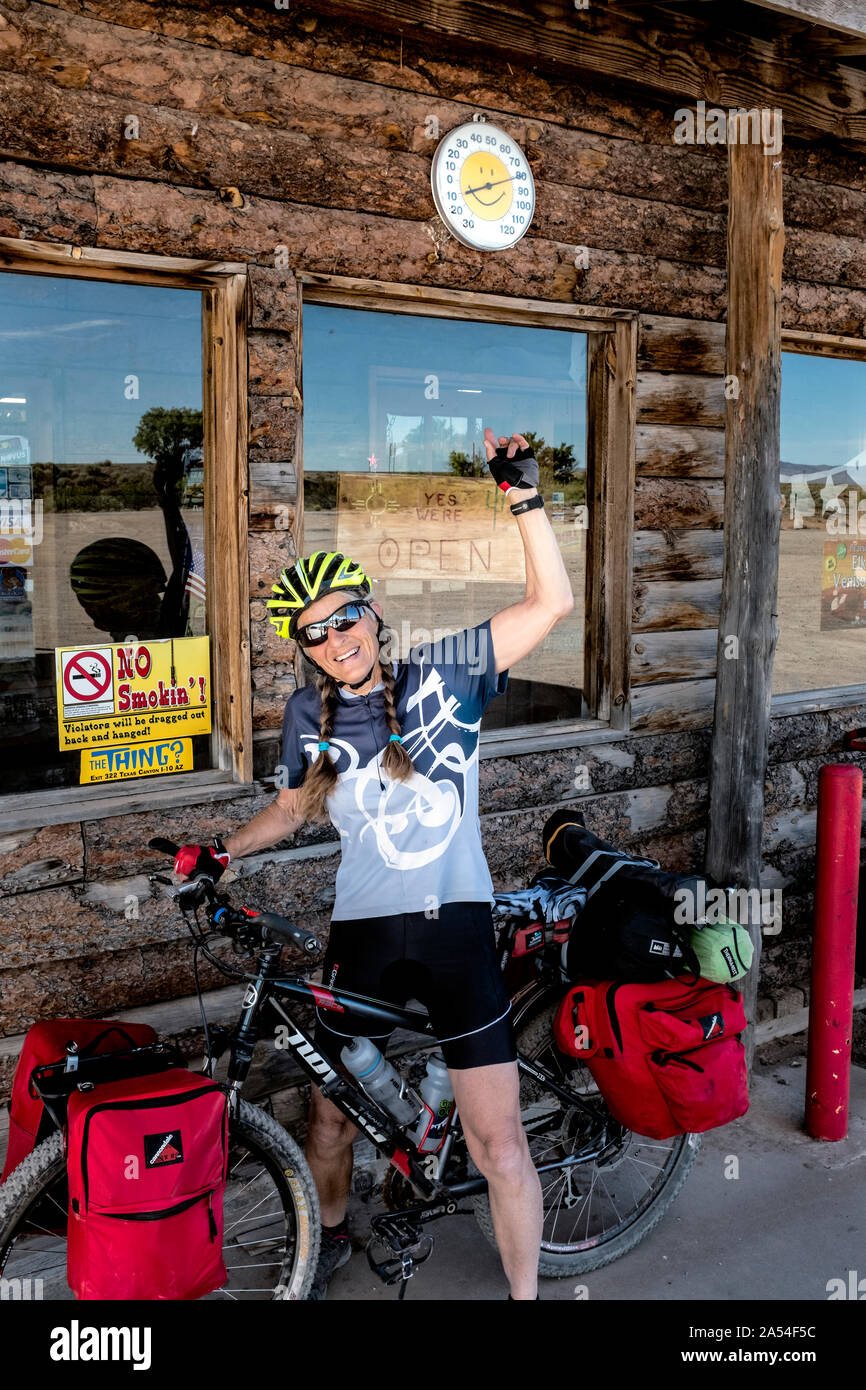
point(270, 924)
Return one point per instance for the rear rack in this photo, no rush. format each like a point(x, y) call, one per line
point(57, 1080)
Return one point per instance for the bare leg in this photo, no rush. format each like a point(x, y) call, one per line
point(488, 1103)
point(329, 1153)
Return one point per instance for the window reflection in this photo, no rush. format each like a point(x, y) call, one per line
point(101, 490)
point(395, 408)
point(822, 544)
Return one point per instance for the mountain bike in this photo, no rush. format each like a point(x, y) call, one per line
point(604, 1188)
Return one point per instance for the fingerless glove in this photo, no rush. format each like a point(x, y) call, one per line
point(520, 471)
point(212, 860)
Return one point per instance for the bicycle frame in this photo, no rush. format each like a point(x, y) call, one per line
point(380, 1128)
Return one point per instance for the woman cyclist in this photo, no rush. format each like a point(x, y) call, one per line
point(389, 751)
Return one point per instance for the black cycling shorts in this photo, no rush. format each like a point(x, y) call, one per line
point(448, 963)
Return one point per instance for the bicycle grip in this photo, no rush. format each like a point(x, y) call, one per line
point(164, 846)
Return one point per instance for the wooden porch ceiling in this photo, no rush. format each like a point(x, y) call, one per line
point(807, 56)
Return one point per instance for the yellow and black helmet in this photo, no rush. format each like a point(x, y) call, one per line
point(310, 578)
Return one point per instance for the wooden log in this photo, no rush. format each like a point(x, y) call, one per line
point(738, 756)
point(273, 366)
point(272, 686)
point(668, 503)
point(821, 309)
point(268, 515)
point(680, 451)
point(822, 205)
point(272, 481)
point(273, 427)
point(274, 298)
point(683, 554)
point(675, 604)
point(269, 552)
point(46, 203)
point(680, 345)
point(672, 656)
point(680, 705)
point(679, 399)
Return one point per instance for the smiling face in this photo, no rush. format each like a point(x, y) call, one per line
point(347, 656)
point(486, 186)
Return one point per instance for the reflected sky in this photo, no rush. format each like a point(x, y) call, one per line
point(399, 392)
point(67, 346)
point(823, 410)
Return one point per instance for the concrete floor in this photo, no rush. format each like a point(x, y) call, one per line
point(793, 1219)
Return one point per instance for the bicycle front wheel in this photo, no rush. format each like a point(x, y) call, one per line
point(597, 1210)
point(271, 1217)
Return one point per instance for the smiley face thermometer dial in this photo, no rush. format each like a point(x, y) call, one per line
point(483, 186)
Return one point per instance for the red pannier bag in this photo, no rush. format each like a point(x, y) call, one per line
point(666, 1056)
point(45, 1044)
point(146, 1160)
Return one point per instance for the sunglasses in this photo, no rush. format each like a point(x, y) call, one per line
point(314, 634)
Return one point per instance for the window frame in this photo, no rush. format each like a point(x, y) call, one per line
point(849, 349)
point(225, 416)
point(611, 377)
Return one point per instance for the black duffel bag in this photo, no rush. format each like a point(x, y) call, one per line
point(628, 928)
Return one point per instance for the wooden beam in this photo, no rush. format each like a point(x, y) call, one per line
point(611, 373)
point(677, 58)
point(847, 16)
point(738, 754)
point(224, 352)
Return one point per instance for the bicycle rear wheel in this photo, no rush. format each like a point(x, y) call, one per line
point(271, 1217)
point(595, 1211)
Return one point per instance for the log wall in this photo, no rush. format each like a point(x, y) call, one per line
point(296, 140)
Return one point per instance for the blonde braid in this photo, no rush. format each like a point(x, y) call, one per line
point(321, 778)
point(395, 759)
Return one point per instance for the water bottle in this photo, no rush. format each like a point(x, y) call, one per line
point(381, 1081)
point(437, 1094)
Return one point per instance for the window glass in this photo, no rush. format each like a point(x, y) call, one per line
point(101, 491)
point(822, 545)
point(395, 407)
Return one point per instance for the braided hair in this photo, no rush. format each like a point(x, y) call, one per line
point(321, 778)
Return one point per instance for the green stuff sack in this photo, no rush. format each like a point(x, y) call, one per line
point(724, 950)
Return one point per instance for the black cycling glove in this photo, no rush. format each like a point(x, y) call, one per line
point(520, 471)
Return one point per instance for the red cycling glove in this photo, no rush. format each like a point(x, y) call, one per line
point(212, 860)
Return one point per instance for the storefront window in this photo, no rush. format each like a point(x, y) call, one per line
point(822, 546)
point(101, 492)
point(395, 407)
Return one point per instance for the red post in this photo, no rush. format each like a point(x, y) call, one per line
point(831, 1008)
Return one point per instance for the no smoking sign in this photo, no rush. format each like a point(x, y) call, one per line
point(87, 683)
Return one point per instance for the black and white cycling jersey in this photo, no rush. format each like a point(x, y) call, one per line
point(406, 846)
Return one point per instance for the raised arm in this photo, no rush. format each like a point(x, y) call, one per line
point(517, 630)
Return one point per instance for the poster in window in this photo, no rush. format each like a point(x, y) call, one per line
point(426, 526)
point(843, 584)
point(112, 694)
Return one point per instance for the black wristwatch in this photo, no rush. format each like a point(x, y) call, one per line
point(530, 505)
